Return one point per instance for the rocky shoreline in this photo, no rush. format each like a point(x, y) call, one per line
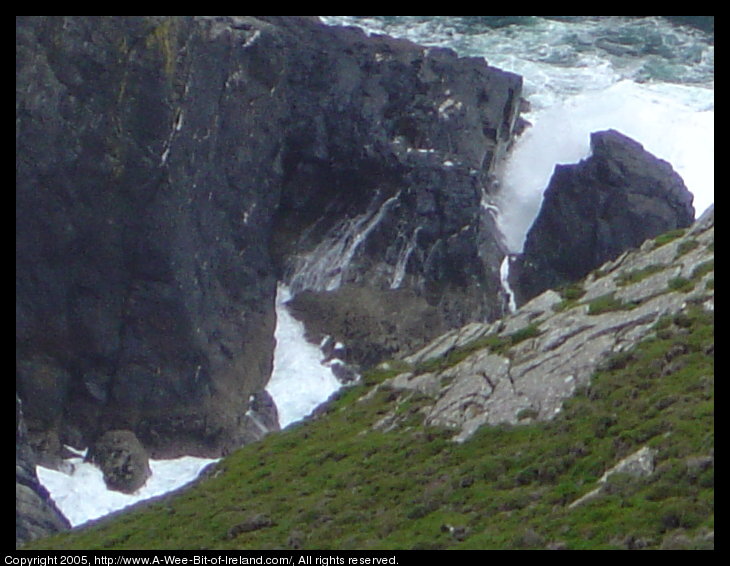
point(170, 170)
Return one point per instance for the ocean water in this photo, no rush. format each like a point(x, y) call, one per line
point(646, 77)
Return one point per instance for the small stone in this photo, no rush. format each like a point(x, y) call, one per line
point(254, 523)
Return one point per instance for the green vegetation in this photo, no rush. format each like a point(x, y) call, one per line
point(164, 38)
point(607, 303)
point(337, 483)
point(686, 247)
point(680, 284)
point(636, 275)
point(702, 269)
point(668, 237)
point(570, 294)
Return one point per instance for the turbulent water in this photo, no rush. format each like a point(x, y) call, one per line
point(300, 380)
point(646, 77)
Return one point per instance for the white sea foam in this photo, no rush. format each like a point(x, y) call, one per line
point(81, 494)
point(300, 381)
point(324, 268)
point(573, 91)
point(673, 122)
point(647, 78)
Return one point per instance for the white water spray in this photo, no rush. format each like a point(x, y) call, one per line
point(399, 272)
point(673, 123)
point(324, 268)
point(300, 381)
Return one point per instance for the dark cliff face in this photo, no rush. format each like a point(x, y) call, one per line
point(36, 515)
point(385, 171)
point(593, 211)
point(144, 284)
point(169, 168)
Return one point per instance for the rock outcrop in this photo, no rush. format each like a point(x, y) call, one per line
point(170, 168)
point(594, 210)
point(373, 325)
point(637, 465)
point(36, 515)
point(385, 188)
point(523, 367)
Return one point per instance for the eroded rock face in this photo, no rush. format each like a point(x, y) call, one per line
point(386, 186)
point(523, 367)
point(593, 211)
point(169, 168)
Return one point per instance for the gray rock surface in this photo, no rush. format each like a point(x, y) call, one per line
point(637, 465)
point(524, 366)
point(374, 325)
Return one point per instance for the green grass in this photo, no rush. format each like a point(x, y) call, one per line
point(686, 247)
point(336, 483)
point(667, 237)
point(680, 284)
point(570, 294)
point(636, 275)
point(607, 303)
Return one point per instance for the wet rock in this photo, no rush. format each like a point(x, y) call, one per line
point(171, 168)
point(262, 416)
point(122, 460)
point(375, 325)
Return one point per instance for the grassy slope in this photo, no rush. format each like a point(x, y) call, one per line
point(335, 483)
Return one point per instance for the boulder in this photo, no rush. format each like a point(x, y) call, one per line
point(122, 459)
point(594, 210)
point(637, 465)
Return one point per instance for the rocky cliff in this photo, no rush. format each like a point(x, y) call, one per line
point(171, 168)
